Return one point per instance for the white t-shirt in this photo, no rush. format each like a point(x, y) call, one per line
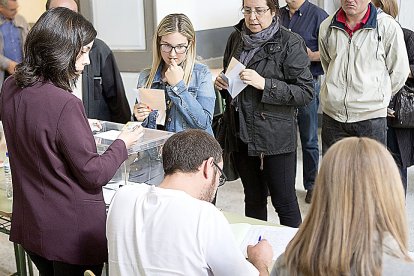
point(156, 231)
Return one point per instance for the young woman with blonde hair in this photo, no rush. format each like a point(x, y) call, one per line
point(357, 223)
point(188, 86)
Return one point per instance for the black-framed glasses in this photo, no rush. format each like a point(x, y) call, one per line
point(257, 11)
point(179, 49)
point(222, 178)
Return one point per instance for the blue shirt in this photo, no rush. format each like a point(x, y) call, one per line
point(12, 41)
point(305, 22)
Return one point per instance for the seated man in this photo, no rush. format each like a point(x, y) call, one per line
point(173, 229)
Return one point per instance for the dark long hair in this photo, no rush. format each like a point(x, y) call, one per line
point(52, 47)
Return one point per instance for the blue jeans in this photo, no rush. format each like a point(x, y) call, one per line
point(308, 130)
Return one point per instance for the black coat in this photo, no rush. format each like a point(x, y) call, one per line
point(266, 120)
point(102, 87)
point(405, 137)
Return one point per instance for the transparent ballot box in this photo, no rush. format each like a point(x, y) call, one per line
point(144, 163)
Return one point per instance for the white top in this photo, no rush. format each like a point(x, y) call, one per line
point(156, 231)
point(77, 89)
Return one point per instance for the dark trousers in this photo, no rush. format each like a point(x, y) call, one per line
point(277, 177)
point(392, 144)
point(55, 268)
point(333, 131)
point(308, 130)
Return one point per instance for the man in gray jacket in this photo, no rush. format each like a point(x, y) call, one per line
point(363, 54)
point(13, 32)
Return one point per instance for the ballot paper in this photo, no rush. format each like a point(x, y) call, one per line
point(248, 234)
point(236, 85)
point(155, 99)
point(109, 135)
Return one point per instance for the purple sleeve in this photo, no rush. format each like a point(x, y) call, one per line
point(77, 145)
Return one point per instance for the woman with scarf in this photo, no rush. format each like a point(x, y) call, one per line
point(261, 121)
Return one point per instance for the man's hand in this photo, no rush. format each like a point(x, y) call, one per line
point(11, 67)
point(251, 77)
point(313, 56)
point(260, 255)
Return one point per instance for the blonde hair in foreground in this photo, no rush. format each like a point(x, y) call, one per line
point(358, 198)
point(172, 23)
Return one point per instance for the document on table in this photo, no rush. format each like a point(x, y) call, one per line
point(236, 85)
point(155, 99)
point(248, 234)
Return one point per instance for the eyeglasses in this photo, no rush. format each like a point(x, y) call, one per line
point(179, 49)
point(222, 178)
point(257, 11)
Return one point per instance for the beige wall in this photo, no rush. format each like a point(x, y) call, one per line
point(31, 9)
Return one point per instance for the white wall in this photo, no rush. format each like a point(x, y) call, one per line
point(203, 14)
point(406, 17)
point(31, 9)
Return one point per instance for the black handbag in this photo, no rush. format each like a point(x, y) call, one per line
point(219, 130)
point(403, 105)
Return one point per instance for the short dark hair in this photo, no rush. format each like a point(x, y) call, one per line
point(272, 4)
point(185, 151)
point(52, 47)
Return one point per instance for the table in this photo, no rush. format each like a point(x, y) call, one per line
point(5, 223)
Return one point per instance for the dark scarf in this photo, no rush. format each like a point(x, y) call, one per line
point(253, 41)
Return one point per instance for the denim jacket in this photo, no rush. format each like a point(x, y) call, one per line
point(187, 107)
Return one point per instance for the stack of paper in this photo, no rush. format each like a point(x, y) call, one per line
point(278, 236)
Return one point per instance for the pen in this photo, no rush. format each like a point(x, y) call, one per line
point(260, 238)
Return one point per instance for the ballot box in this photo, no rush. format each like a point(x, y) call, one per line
point(144, 163)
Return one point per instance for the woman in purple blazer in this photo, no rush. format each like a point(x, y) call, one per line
point(58, 208)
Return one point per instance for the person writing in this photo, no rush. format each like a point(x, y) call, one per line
point(261, 120)
point(189, 91)
point(173, 229)
point(58, 208)
point(357, 223)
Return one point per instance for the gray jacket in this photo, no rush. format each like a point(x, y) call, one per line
point(362, 71)
point(20, 23)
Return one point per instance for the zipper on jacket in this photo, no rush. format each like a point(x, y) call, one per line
point(346, 77)
point(261, 160)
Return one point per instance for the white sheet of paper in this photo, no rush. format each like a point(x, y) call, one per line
point(155, 99)
point(110, 134)
point(277, 236)
point(236, 85)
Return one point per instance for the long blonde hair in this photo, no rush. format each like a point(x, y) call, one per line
point(358, 199)
point(172, 23)
point(388, 6)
